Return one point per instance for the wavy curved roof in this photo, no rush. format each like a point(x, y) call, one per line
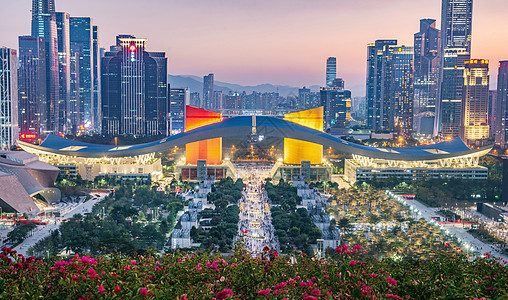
point(267, 126)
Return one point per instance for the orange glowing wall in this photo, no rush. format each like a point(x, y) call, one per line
point(211, 149)
point(295, 150)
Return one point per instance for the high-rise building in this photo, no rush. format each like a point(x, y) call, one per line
point(426, 66)
point(475, 101)
point(208, 92)
point(134, 90)
point(456, 29)
point(492, 111)
point(337, 106)
point(451, 88)
point(74, 102)
point(96, 67)
point(32, 86)
point(501, 111)
point(195, 100)
point(44, 26)
point(8, 98)
point(304, 95)
point(64, 73)
point(217, 100)
point(401, 90)
point(81, 32)
point(376, 58)
point(331, 70)
point(178, 99)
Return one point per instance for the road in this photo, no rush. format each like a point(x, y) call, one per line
point(43, 231)
point(469, 242)
point(255, 224)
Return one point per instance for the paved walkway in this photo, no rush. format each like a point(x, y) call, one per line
point(469, 242)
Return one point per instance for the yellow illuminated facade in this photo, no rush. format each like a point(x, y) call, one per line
point(296, 150)
point(209, 150)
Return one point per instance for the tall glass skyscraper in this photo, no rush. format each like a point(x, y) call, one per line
point(456, 28)
point(8, 98)
point(64, 73)
point(208, 95)
point(81, 32)
point(134, 90)
point(96, 65)
point(501, 111)
point(32, 85)
point(178, 99)
point(44, 26)
point(331, 71)
point(401, 90)
point(475, 101)
point(426, 66)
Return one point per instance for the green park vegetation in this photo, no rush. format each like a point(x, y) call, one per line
point(19, 234)
point(384, 226)
point(221, 221)
point(294, 227)
point(126, 222)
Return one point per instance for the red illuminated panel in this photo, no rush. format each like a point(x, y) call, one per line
point(132, 48)
point(197, 117)
point(27, 136)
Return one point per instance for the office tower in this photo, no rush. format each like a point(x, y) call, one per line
point(359, 108)
point(96, 66)
point(304, 95)
point(337, 106)
point(178, 99)
point(426, 66)
point(8, 98)
point(331, 70)
point(492, 111)
point(207, 92)
point(232, 101)
point(74, 103)
point(217, 100)
point(451, 88)
point(456, 28)
point(475, 101)
point(501, 111)
point(401, 90)
point(44, 26)
point(376, 58)
point(338, 83)
point(195, 100)
point(81, 32)
point(134, 90)
point(32, 85)
point(64, 73)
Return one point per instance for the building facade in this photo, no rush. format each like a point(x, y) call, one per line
point(8, 98)
point(32, 86)
point(96, 69)
point(475, 101)
point(331, 71)
point(426, 67)
point(178, 100)
point(401, 90)
point(501, 111)
point(64, 72)
point(44, 26)
point(337, 107)
point(134, 90)
point(208, 94)
point(81, 33)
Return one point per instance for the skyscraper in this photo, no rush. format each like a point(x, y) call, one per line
point(32, 85)
point(178, 99)
point(331, 70)
point(74, 102)
point(456, 28)
point(401, 90)
point(44, 26)
point(208, 92)
point(426, 66)
point(475, 101)
point(81, 32)
point(501, 111)
point(64, 73)
point(134, 90)
point(8, 98)
point(96, 65)
point(376, 58)
point(337, 106)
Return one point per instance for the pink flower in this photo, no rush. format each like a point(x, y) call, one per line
point(391, 280)
point(264, 292)
point(117, 289)
point(316, 292)
point(133, 262)
point(373, 275)
point(101, 289)
point(91, 273)
point(183, 297)
point(310, 298)
point(144, 292)
point(226, 293)
point(127, 268)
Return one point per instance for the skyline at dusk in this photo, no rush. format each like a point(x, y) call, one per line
point(285, 43)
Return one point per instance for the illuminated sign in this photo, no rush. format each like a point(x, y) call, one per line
point(27, 136)
point(132, 48)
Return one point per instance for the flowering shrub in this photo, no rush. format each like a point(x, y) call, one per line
point(201, 276)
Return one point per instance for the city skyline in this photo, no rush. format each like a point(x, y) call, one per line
point(299, 41)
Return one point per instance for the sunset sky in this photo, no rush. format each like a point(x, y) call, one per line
point(268, 41)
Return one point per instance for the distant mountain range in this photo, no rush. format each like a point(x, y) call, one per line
point(195, 84)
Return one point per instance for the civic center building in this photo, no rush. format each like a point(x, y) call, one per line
point(304, 141)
